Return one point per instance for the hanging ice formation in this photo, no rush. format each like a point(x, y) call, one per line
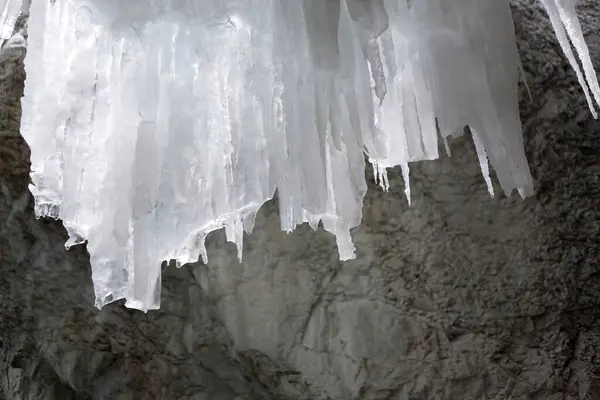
point(154, 122)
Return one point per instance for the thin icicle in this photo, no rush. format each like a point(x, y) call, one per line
point(380, 175)
point(406, 177)
point(569, 18)
point(555, 18)
point(447, 147)
point(483, 161)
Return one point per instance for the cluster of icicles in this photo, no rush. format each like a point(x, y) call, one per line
point(154, 122)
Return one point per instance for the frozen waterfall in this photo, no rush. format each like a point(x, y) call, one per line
point(155, 122)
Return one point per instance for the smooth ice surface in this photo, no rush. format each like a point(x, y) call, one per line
point(154, 122)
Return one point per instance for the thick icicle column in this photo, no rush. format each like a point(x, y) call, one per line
point(154, 122)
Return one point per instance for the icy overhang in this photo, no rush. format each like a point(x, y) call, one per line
point(154, 122)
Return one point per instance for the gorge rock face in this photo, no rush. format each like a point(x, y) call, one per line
point(459, 296)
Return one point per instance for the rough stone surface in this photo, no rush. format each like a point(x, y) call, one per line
point(458, 297)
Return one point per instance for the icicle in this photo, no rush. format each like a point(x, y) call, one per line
point(406, 177)
point(555, 18)
point(568, 15)
point(372, 20)
point(447, 147)
point(380, 175)
point(483, 161)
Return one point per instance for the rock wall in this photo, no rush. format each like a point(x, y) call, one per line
point(457, 297)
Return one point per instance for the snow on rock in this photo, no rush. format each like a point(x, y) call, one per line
point(155, 122)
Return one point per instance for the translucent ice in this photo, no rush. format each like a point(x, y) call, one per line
point(155, 122)
point(566, 25)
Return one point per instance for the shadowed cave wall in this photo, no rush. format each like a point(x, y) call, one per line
point(459, 296)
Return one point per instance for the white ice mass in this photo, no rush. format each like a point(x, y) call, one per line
point(10, 10)
point(154, 122)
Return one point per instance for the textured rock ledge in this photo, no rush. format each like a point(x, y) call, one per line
point(458, 297)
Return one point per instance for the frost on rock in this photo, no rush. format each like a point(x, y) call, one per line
point(154, 122)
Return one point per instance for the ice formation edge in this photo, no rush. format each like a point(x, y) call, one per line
point(155, 122)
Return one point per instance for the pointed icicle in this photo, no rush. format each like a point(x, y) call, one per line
point(556, 19)
point(568, 15)
point(483, 162)
point(406, 177)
